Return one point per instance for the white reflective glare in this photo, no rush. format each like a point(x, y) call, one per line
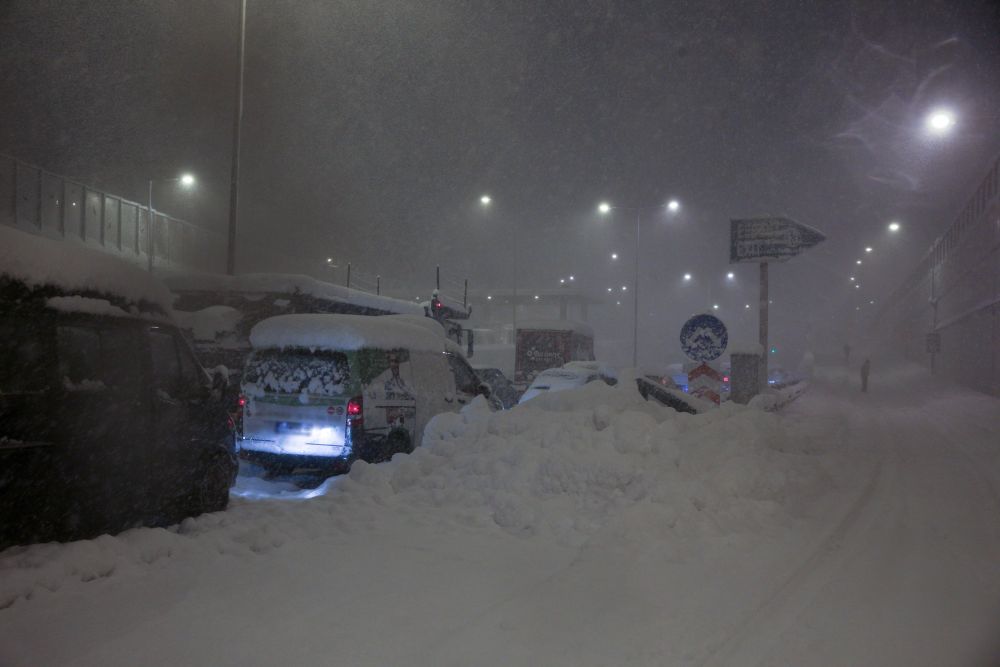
point(940, 121)
point(187, 180)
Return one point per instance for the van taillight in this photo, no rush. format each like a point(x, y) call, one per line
point(355, 411)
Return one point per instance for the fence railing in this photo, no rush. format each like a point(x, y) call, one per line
point(39, 201)
point(36, 200)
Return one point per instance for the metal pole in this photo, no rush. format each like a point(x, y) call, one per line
point(149, 230)
point(378, 285)
point(513, 330)
point(635, 296)
point(348, 274)
point(437, 277)
point(763, 323)
point(234, 182)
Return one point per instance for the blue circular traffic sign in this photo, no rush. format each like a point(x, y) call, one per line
point(704, 337)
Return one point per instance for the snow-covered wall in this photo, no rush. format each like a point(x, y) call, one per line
point(954, 292)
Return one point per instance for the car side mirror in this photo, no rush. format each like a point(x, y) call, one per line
point(220, 382)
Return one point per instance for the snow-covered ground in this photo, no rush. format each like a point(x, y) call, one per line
point(583, 528)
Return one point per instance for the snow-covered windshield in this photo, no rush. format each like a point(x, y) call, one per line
point(320, 373)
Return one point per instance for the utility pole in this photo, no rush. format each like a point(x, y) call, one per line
point(234, 181)
point(764, 301)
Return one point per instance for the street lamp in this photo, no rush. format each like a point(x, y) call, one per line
point(893, 226)
point(605, 208)
point(687, 277)
point(940, 121)
point(486, 202)
point(868, 249)
point(187, 181)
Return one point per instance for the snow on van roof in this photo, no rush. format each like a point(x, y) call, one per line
point(72, 267)
point(286, 283)
point(556, 325)
point(342, 332)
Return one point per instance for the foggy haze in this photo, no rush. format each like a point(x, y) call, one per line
point(372, 129)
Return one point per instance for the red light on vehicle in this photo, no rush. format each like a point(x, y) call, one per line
point(243, 401)
point(354, 408)
point(355, 412)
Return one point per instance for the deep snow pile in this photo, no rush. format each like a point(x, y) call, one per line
point(558, 468)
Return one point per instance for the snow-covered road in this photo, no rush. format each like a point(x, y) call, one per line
point(589, 530)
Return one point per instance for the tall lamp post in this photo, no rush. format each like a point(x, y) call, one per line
point(605, 208)
point(186, 180)
point(234, 177)
point(486, 202)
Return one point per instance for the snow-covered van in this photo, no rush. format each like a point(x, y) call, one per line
point(321, 391)
point(107, 421)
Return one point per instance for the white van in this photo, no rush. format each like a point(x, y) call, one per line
point(321, 391)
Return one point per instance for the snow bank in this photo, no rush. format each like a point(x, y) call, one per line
point(83, 304)
point(280, 283)
point(39, 261)
point(343, 332)
point(560, 468)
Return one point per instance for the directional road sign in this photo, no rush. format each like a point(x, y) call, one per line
point(769, 239)
point(705, 382)
point(704, 337)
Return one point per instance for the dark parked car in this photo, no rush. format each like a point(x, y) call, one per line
point(107, 421)
point(501, 387)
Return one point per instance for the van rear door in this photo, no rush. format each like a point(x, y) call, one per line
point(297, 403)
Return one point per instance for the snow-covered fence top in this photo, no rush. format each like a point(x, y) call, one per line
point(556, 325)
point(343, 332)
point(282, 283)
point(40, 261)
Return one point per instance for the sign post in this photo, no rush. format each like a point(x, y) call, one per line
point(704, 338)
point(763, 240)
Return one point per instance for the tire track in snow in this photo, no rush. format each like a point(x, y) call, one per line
point(803, 578)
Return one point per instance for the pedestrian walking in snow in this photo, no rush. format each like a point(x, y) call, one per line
point(865, 370)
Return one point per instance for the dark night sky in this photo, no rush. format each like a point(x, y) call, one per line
point(371, 128)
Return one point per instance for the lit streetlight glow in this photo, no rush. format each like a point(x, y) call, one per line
point(893, 226)
point(715, 306)
point(624, 288)
point(730, 275)
point(604, 207)
point(852, 279)
point(187, 180)
point(485, 200)
point(687, 276)
point(614, 255)
point(859, 262)
point(673, 205)
point(868, 249)
point(940, 121)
